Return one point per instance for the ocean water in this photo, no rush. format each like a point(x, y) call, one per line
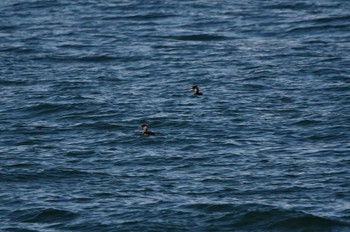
point(265, 148)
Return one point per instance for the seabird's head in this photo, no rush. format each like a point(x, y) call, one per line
point(144, 127)
point(195, 88)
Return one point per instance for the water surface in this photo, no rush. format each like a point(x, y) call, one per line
point(266, 148)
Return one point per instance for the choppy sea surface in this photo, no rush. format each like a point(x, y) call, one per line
point(265, 148)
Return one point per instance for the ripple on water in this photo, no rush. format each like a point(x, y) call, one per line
point(39, 215)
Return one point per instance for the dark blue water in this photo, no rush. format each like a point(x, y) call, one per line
point(266, 148)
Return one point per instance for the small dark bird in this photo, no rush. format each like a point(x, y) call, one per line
point(145, 131)
point(195, 89)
